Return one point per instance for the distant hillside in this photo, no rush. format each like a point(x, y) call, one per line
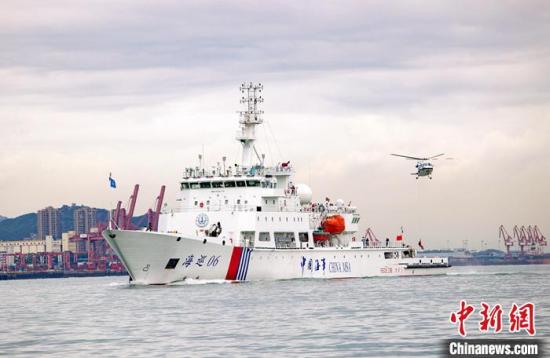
point(18, 228)
point(24, 226)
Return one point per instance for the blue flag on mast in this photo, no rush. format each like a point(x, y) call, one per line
point(112, 182)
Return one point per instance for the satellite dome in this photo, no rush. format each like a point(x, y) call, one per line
point(304, 193)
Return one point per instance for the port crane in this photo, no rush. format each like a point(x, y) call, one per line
point(529, 238)
point(508, 240)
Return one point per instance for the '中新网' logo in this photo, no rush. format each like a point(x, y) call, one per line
point(201, 220)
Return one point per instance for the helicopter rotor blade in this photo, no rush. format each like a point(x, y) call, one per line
point(435, 156)
point(408, 157)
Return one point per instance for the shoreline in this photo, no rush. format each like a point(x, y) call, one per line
point(5, 276)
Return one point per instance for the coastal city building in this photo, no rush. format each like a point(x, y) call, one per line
point(48, 223)
point(23, 246)
point(85, 218)
point(49, 244)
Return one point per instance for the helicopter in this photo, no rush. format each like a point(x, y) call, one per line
point(423, 166)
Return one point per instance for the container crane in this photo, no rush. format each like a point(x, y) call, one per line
point(508, 240)
point(521, 238)
point(539, 236)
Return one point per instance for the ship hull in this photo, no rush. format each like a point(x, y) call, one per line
point(159, 258)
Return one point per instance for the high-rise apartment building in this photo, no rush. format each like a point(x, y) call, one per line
point(48, 223)
point(84, 218)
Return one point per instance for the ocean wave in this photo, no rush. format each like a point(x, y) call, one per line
point(192, 281)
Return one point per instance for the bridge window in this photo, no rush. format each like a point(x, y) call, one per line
point(205, 185)
point(240, 183)
point(303, 236)
point(194, 185)
point(229, 184)
point(184, 186)
point(217, 184)
point(252, 183)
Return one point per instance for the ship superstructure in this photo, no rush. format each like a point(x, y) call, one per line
point(251, 221)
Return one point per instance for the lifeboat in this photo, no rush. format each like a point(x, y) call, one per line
point(334, 224)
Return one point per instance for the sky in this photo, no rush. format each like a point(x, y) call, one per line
point(140, 88)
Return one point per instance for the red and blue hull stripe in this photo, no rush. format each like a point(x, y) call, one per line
point(238, 265)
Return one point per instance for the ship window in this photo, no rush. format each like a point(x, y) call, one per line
point(273, 202)
point(184, 186)
point(250, 183)
point(194, 185)
point(264, 184)
point(389, 255)
point(229, 184)
point(240, 183)
point(196, 202)
point(226, 201)
point(303, 236)
point(205, 184)
point(264, 236)
point(284, 240)
point(172, 263)
point(238, 201)
point(217, 184)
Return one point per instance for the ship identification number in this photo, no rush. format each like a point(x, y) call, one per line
point(201, 260)
point(388, 269)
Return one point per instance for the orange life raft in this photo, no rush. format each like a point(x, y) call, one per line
point(334, 224)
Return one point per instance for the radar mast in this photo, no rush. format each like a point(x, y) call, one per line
point(249, 119)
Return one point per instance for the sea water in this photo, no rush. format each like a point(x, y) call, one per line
point(374, 317)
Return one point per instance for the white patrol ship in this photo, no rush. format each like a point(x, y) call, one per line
point(251, 222)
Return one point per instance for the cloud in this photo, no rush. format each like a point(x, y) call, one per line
point(140, 89)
